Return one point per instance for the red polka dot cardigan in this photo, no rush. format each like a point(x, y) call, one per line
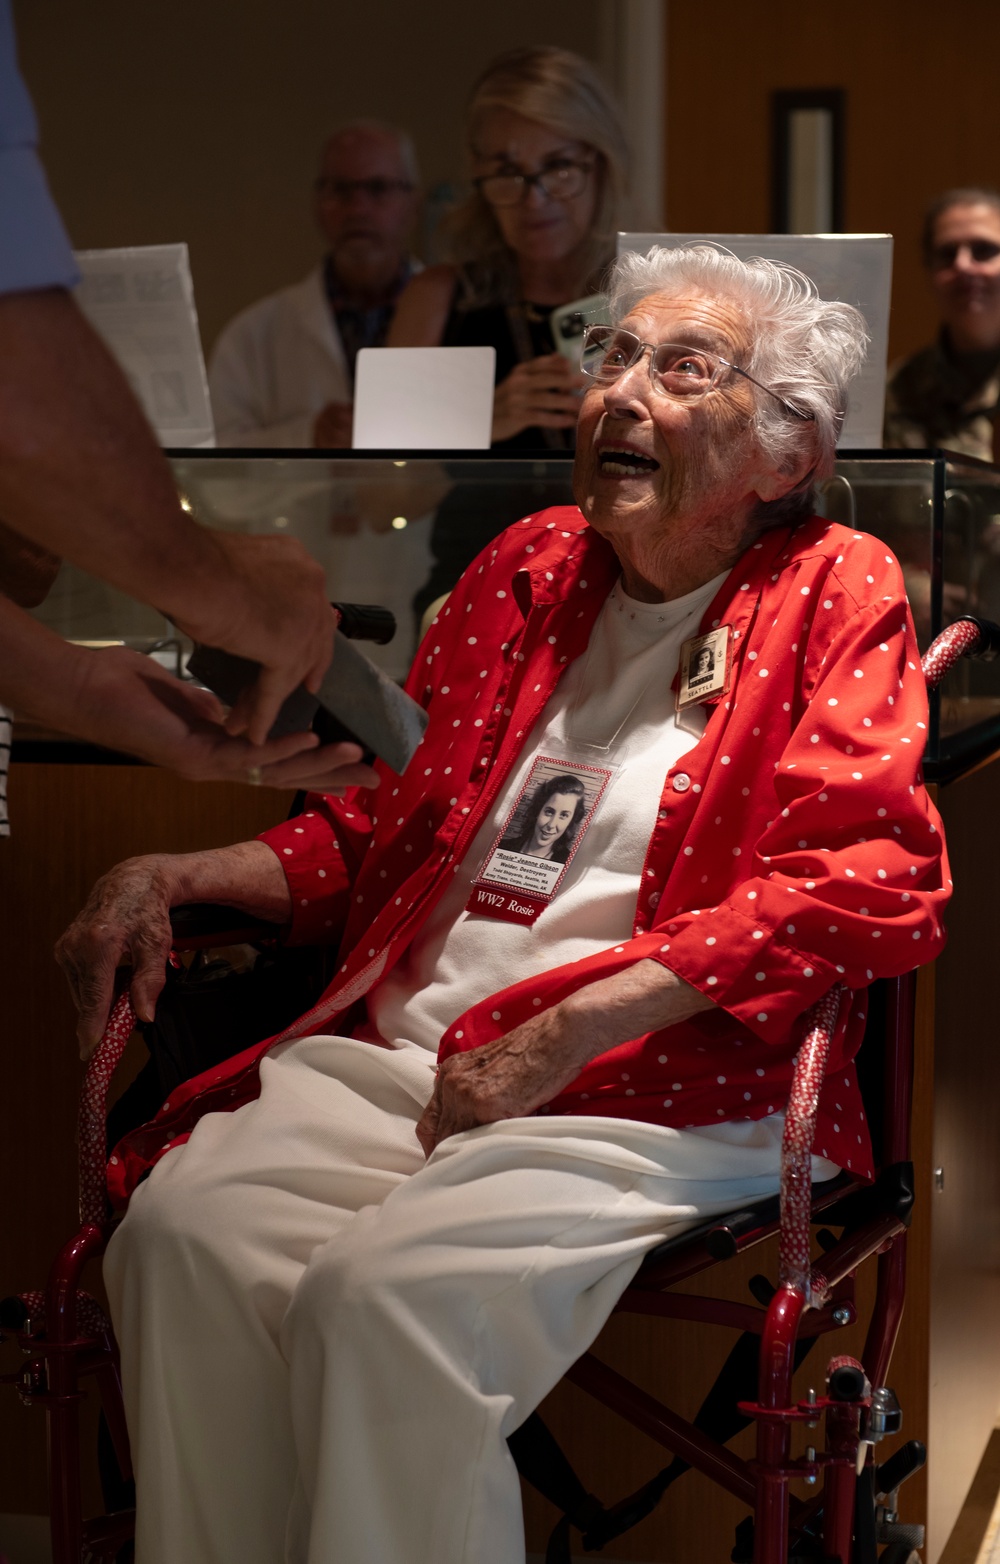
point(794, 846)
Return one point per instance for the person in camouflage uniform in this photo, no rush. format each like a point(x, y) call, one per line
point(947, 394)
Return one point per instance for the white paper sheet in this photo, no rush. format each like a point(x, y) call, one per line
point(422, 399)
point(854, 267)
point(141, 301)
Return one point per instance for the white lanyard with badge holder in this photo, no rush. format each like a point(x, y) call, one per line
point(528, 861)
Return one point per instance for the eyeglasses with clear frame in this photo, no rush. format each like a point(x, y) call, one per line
point(676, 370)
point(560, 181)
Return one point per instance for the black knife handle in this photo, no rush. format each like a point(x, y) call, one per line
point(366, 622)
point(228, 675)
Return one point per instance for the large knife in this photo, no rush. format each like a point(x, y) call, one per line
point(355, 701)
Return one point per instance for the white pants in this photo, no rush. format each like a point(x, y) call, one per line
point(326, 1340)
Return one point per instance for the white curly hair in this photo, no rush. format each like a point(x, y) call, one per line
point(804, 348)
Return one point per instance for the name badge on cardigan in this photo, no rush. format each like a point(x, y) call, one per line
point(706, 667)
point(531, 853)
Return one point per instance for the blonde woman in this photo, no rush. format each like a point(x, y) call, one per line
point(548, 159)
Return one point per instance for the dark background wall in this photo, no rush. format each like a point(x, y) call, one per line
point(201, 119)
point(921, 83)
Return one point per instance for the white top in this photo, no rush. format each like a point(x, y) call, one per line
point(275, 366)
point(618, 695)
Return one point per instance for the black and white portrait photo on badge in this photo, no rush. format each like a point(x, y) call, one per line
point(533, 850)
point(546, 824)
point(703, 666)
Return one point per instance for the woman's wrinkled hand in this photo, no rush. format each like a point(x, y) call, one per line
point(506, 1079)
point(126, 921)
point(520, 1072)
point(544, 393)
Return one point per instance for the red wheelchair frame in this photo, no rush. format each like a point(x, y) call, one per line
point(65, 1335)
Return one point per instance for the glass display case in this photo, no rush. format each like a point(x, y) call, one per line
point(400, 529)
point(940, 515)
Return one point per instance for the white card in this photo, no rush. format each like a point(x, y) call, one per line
point(856, 268)
point(141, 301)
point(420, 399)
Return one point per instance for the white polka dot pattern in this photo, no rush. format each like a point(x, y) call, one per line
point(91, 1319)
point(808, 755)
point(958, 640)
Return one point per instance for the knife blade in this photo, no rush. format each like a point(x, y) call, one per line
point(366, 704)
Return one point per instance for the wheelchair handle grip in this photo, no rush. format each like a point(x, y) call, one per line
point(846, 1380)
point(968, 636)
point(366, 622)
point(988, 645)
point(91, 1132)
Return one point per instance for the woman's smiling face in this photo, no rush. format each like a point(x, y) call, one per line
point(553, 820)
point(675, 483)
point(641, 453)
point(538, 227)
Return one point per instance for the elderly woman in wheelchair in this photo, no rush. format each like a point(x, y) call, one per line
point(367, 1247)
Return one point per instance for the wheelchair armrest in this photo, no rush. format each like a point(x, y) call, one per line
point(202, 925)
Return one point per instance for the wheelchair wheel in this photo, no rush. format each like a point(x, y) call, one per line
point(899, 1553)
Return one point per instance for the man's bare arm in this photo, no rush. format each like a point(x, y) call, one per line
point(82, 475)
point(128, 702)
point(529, 1066)
point(126, 921)
point(27, 570)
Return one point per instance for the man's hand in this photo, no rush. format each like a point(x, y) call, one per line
point(267, 602)
point(334, 426)
point(126, 922)
point(544, 392)
point(82, 476)
point(128, 702)
point(516, 1074)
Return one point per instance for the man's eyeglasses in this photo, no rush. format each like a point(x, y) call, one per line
point(945, 255)
point(560, 181)
point(344, 190)
point(683, 372)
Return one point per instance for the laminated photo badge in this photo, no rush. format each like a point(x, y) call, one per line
point(706, 667)
point(537, 842)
